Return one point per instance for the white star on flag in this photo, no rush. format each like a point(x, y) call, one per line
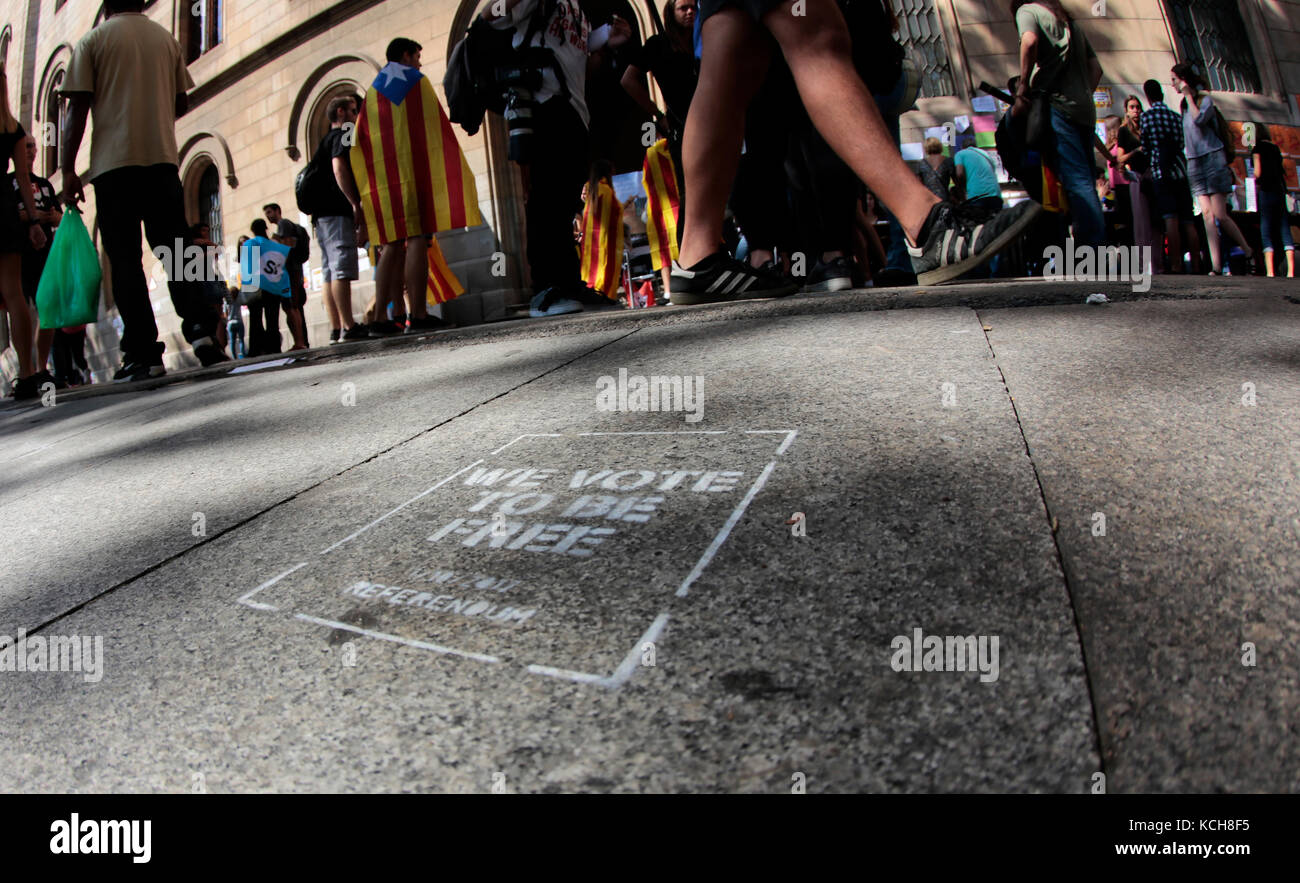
point(394, 71)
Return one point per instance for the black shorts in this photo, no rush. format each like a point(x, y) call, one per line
point(756, 8)
point(1174, 199)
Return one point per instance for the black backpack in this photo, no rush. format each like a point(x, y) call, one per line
point(472, 82)
point(301, 251)
point(311, 187)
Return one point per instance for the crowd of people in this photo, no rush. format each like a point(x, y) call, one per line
point(1162, 162)
point(779, 151)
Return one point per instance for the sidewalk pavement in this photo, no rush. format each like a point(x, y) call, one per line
point(441, 565)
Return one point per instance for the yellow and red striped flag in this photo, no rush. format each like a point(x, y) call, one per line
point(602, 241)
point(662, 204)
point(1053, 192)
point(410, 171)
point(443, 284)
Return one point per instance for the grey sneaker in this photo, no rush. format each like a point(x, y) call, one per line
point(953, 246)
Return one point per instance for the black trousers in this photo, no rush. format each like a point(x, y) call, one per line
point(825, 194)
point(124, 199)
point(760, 196)
point(555, 177)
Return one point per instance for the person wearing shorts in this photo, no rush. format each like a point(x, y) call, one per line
point(1207, 164)
point(336, 222)
point(1162, 141)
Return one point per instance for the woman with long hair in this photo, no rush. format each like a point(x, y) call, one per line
point(1114, 171)
point(1057, 60)
point(1133, 158)
point(1208, 172)
point(1270, 185)
point(14, 235)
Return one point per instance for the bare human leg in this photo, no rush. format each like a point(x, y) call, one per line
point(417, 276)
point(734, 63)
point(1219, 202)
point(388, 279)
point(816, 47)
point(1211, 232)
point(21, 325)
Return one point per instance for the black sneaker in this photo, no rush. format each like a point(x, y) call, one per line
point(424, 323)
point(834, 275)
point(208, 352)
point(721, 279)
point(952, 246)
point(132, 371)
point(384, 329)
point(27, 388)
point(335, 335)
point(357, 332)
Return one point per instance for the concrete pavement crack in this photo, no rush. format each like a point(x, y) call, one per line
point(1060, 555)
point(291, 497)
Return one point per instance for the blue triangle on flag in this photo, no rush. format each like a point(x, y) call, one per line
point(396, 80)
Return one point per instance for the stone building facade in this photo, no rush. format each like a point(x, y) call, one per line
point(265, 70)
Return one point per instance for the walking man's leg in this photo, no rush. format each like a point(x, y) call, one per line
point(119, 204)
point(817, 48)
point(162, 203)
point(731, 70)
point(417, 276)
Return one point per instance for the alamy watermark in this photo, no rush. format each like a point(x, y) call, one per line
point(1109, 263)
point(66, 653)
point(922, 652)
point(654, 393)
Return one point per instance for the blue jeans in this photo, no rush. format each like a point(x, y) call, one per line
point(235, 330)
point(1274, 225)
point(897, 257)
point(1074, 149)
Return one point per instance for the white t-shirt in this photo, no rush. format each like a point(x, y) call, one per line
point(566, 35)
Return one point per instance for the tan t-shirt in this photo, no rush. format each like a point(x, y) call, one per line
point(134, 69)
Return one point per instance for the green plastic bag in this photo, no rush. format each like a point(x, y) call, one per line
point(68, 293)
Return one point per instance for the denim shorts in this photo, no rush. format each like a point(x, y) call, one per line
point(1209, 174)
point(338, 242)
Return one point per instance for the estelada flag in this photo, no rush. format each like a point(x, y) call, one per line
point(443, 284)
point(412, 176)
point(662, 204)
point(602, 241)
point(1053, 192)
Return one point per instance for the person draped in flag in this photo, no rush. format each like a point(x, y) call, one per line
point(601, 257)
point(412, 181)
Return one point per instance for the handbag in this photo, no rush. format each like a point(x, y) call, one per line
point(1038, 122)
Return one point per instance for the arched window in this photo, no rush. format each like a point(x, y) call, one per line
point(50, 133)
point(6, 37)
point(210, 201)
point(318, 123)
